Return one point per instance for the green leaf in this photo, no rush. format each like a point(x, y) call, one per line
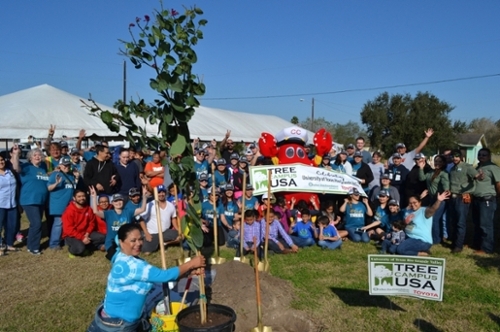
point(141, 43)
point(162, 84)
point(176, 86)
point(107, 117)
point(198, 11)
point(154, 84)
point(114, 127)
point(179, 145)
point(170, 60)
point(192, 101)
point(151, 40)
point(202, 22)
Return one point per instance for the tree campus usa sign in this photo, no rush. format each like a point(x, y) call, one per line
point(302, 178)
point(406, 276)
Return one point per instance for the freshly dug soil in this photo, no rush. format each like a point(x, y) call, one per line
point(193, 320)
point(234, 286)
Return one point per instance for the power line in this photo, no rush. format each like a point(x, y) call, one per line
point(357, 89)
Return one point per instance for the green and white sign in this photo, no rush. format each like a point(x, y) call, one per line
point(301, 178)
point(406, 276)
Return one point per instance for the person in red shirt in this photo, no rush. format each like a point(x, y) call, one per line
point(155, 171)
point(78, 226)
point(103, 204)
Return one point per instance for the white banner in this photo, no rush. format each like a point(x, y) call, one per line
point(406, 276)
point(302, 178)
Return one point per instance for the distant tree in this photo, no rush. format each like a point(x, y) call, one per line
point(490, 129)
point(347, 133)
point(401, 118)
point(461, 127)
point(318, 124)
point(295, 120)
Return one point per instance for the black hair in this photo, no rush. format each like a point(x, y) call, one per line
point(305, 212)
point(77, 191)
point(277, 214)
point(416, 197)
point(126, 229)
point(132, 149)
point(485, 150)
point(323, 220)
point(360, 138)
point(376, 153)
point(399, 224)
point(249, 214)
point(280, 200)
point(100, 148)
point(122, 149)
point(301, 205)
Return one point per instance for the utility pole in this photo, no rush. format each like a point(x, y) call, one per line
point(312, 116)
point(124, 81)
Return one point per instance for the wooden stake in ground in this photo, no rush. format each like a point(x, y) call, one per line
point(203, 297)
point(215, 259)
point(260, 326)
point(182, 259)
point(266, 243)
point(166, 290)
point(242, 258)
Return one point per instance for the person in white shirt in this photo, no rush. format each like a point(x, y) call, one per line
point(169, 224)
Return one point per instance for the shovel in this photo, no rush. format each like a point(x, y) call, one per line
point(215, 259)
point(260, 327)
point(166, 290)
point(264, 266)
point(242, 258)
point(182, 259)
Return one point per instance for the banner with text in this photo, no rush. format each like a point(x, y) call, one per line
point(301, 178)
point(406, 276)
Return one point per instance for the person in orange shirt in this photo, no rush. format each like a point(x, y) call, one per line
point(155, 170)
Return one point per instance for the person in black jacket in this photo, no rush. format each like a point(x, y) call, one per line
point(413, 186)
point(361, 170)
point(398, 173)
point(101, 173)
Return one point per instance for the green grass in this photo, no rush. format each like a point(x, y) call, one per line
point(55, 293)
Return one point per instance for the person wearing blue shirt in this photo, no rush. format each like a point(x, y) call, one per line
point(228, 211)
point(355, 212)
point(8, 203)
point(328, 236)
point(61, 186)
point(116, 217)
point(221, 174)
point(134, 202)
point(34, 195)
point(210, 212)
point(201, 165)
point(380, 224)
point(251, 202)
point(303, 231)
point(203, 179)
point(419, 226)
point(130, 280)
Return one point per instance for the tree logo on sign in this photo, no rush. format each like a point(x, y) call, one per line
point(260, 179)
point(383, 274)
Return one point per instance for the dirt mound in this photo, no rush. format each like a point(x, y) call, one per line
point(234, 286)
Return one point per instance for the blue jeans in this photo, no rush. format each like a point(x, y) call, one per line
point(388, 246)
point(457, 213)
point(8, 220)
point(332, 245)
point(101, 324)
point(34, 214)
point(301, 242)
point(55, 233)
point(233, 240)
point(483, 213)
point(437, 230)
point(412, 247)
point(357, 236)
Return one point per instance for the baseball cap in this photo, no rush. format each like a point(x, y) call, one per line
point(418, 156)
point(196, 151)
point(74, 151)
point(385, 176)
point(384, 193)
point(221, 161)
point(229, 187)
point(252, 146)
point(326, 156)
point(396, 155)
point(243, 159)
point(358, 154)
point(65, 161)
point(248, 151)
point(343, 152)
point(400, 145)
point(134, 192)
point(393, 202)
point(234, 156)
point(273, 198)
point(64, 144)
point(350, 146)
point(203, 177)
point(161, 188)
point(249, 186)
point(204, 146)
point(217, 191)
point(117, 197)
point(353, 191)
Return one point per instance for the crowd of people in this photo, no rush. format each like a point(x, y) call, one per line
point(406, 204)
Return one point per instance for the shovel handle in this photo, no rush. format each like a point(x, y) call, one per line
point(186, 290)
point(257, 281)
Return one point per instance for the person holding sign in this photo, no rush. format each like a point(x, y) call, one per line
point(419, 226)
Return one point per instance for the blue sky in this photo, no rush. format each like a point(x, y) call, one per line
point(269, 48)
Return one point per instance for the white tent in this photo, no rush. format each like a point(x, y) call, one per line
point(32, 111)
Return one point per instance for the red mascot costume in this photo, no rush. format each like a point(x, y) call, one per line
point(288, 148)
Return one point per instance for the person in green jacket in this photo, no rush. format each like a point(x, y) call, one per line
point(485, 203)
point(437, 182)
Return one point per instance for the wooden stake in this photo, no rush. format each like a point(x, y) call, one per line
point(181, 259)
point(266, 243)
point(162, 251)
point(203, 298)
point(242, 220)
point(215, 226)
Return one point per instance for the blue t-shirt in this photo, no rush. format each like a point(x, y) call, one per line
point(114, 221)
point(355, 215)
point(201, 168)
point(129, 281)
point(34, 184)
point(229, 211)
point(207, 213)
point(204, 194)
point(420, 227)
point(132, 206)
point(339, 168)
point(221, 179)
point(249, 202)
point(382, 215)
point(78, 167)
point(329, 231)
point(395, 217)
point(304, 230)
point(62, 194)
point(88, 155)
